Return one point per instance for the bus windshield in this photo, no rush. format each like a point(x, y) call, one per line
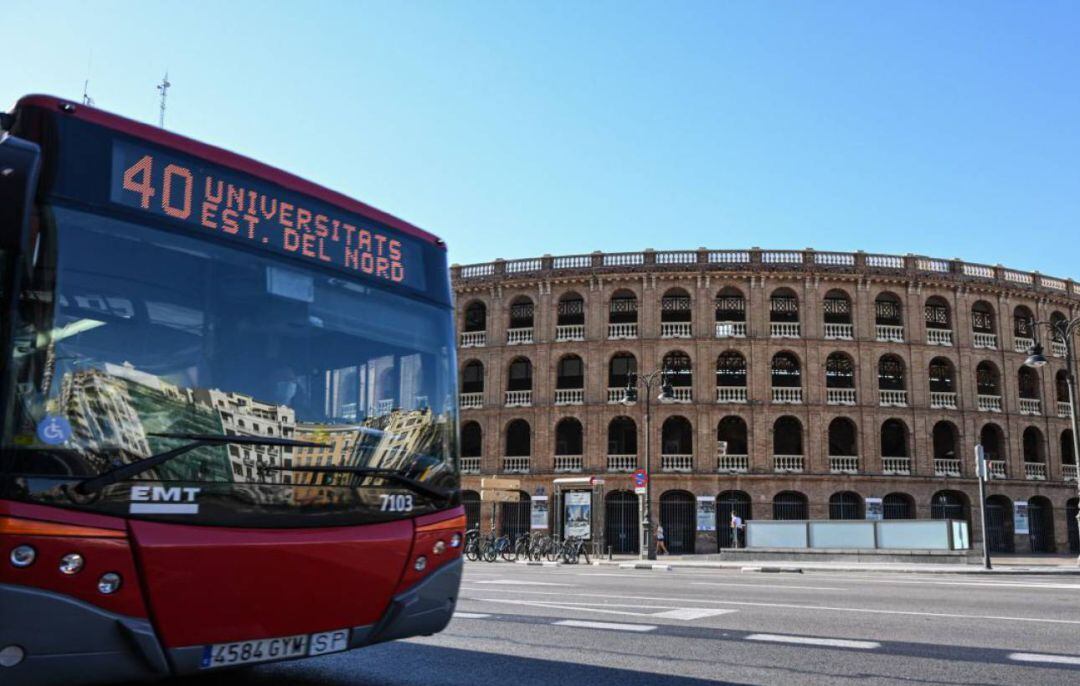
point(127, 332)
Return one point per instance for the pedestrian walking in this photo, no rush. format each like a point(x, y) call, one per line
point(661, 547)
point(736, 525)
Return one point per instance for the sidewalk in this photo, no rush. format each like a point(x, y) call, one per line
point(1056, 565)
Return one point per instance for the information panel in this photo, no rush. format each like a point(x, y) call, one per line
point(246, 209)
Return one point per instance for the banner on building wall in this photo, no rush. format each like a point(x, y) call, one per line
point(706, 513)
point(578, 514)
point(539, 514)
point(1020, 518)
point(875, 509)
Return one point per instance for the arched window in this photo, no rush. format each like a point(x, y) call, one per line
point(521, 313)
point(843, 441)
point(471, 501)
point(518, 439)
point(1027, 384)
point(472, 377)
point(942, 376)
point(620, 369)
point(731, 503)
point(623, 308)
point(987, 379)
point(1061, 387)
point(1057, 343)
point(680, 371)
point(787, 437)
point(944, 439)
point(568, 437)
point(937, 313)
point(845, 505)
point(836, 308)
point(982, 319)
point(1023, 331)
point(675, 306)
point(475, 317)
point(730, 306)
point(786, 372)
point(472, 440)
point(1034, 448)
point(1067, 454)
point(999, 524)
point(888, 310)
point(571, 310)
point(731, 436)
point(894, 439)
point(839, 371)
point(571, 373)
point(622, 437)
point(678, 516)
point(520, 375)
point(898, 506)
point(993, 442)
point(731, 369)
point(891, 373)
point(783, 306)
point(949, 505)
point(677, 436)
point(789, 505)
point(1041, 524)
point(621, 520)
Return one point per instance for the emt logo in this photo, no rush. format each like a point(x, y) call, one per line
point(164, 500)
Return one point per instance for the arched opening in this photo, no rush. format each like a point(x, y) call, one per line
point(472, 377)
point(999, 524)
point(731, 503)
point(621, 520)
point(843, 438)
point(521, 313)
point(1067, 454)
point(783, 306)
point(518, 439)
point(677, 437)
point(787, 444)
point(731, 370)
point(840, 371)
point(937, 313)
point(993, 442)
point(570, 373)
point(1072, 506)
point(942, 376)
point(676, 313)
point(945, 438)
point(788, 505)
point(837, 308)
point(845, 505)
point(519, 377)
point(1034, 447)
point(678, 516)
point(621, 368)
point(568, 437)
point(1057, 343)
point(680, 374)
point(894, 438)
point(1027, 385)
point(623, 307)
point(786, 378)
point(475, 317)
point(1023, 328)
point(988, 383)
point(888, 310)
point(1061, 391)
point(898, 506)
point(471, 501)
point(730, 309)
point(472, 440)
point(731, 437)
point(949, 505)
point(622, 440)
point(571, 310)
point(515, 518)
point(1041, 524)
point(890, 376)
point(983, 326)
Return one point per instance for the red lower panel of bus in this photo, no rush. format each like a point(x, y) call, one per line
point(213, 585)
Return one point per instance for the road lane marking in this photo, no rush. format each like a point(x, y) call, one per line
point(605, 625)
point(795, 606)
point(514, 582)
point(691, 613)
point(1040, 657)
point(666, 611)
point(471, 615)
point(814, 641)
point(768, 587)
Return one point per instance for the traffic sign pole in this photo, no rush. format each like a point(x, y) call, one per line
point(983, 472)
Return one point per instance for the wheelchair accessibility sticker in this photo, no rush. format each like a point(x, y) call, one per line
point(53, 430)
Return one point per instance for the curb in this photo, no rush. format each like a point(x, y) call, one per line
point(773, 570)
point(641, 565)
point(538, 563)
point(978, 571)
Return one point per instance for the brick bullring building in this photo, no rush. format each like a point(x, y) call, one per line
point(804, 382)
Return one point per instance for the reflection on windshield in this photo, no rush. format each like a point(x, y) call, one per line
point(137, 332)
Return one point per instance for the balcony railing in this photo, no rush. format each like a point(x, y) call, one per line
point(616, 395)
point(731, 329)
point(518, 398)
point(1021, 343)
point(1030, 406)
point(569, 396)
point(621, 463)
point(840, 396)
point(787, 396)
point(998, 469)
point(682, 394)
point(676, 329)
point(946, 467)
point(569, 463)
point(989, 403)
point(731, 394)
point(519, 336)
point(1068, 472)
point(470, 465)
point(1057, 348)
point(1035, 471)
point(892, 398)
point(888, 333)
point(473, 339)
point(896, 465)
point(515, 465)
point(840, 332)
point(622, 331)
point(943, 400)
point(787, 463)
point(1064, 409)
point(569, 332)
point(984, 340)
point(677, 463)
point(469, 401)
point(733, 464)
point(939, 336)
point(784, 329)
point(843, 464)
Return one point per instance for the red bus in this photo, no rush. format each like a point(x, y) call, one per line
point(229, 409)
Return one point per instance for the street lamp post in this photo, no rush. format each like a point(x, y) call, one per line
point(647, 550)
point(1064, 330)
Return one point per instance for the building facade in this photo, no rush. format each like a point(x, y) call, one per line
point(803, 384)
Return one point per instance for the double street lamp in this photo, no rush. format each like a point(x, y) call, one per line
point(1062, 330)
point(661, 379)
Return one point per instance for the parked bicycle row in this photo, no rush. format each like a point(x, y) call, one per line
point(531, 546)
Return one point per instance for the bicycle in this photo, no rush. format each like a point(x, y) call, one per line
point(472, 545)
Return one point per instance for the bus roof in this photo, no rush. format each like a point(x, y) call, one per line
point(224, 158)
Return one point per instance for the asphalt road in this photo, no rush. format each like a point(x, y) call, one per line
point(593, 626)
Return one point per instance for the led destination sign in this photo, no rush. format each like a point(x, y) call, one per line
point(250, 210)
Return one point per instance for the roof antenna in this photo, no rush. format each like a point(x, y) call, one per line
point(86, 99)
point(163, 87)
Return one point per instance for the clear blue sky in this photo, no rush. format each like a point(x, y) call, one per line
point(515, 129)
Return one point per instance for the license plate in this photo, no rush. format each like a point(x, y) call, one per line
point(281, 648)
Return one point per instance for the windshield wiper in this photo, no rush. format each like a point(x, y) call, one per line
point(388, 474)
point(111, 476)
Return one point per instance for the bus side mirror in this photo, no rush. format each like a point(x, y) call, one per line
point(20, 162)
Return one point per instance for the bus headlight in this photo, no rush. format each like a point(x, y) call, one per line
point(420, 564)
point(23, 556)
point(72, 563)
point(109, 583)
point(439, 548)
point(455, 540)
